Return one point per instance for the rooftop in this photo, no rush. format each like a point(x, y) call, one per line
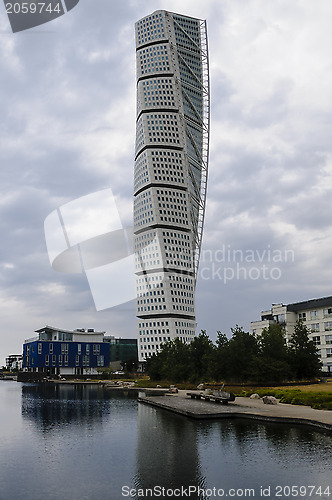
point(310, 304)
point(49, 329)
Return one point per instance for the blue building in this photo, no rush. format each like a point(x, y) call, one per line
point(66, 352)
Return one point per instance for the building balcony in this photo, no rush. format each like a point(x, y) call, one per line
point(32, 339)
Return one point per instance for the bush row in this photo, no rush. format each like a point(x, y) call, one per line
point(317, 400)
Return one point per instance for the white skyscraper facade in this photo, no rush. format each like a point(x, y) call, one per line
point(171, 164)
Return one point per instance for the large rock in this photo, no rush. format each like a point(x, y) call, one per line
point(173, 389)
point(269, 400)
point(255, 396)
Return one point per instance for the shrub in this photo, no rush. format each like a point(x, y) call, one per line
point(317, 400)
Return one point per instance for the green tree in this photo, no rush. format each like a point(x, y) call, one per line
point(131, 364)
point(239, 355)
point(272, 362)
point(303, 354)
point(153, 366)
point(272, 343)
point(222, 340)
point(172, 362)
point(201, 350)
point(219, 358)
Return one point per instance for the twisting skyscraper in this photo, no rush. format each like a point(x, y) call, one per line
point(171, 162)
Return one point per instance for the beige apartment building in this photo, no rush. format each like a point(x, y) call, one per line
point(316, 314)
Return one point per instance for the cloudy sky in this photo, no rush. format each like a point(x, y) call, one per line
point(67, 129)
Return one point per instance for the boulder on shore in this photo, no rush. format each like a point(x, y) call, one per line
point(255, 396)
point(269, 400)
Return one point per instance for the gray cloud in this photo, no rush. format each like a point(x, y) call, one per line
point(68, 128)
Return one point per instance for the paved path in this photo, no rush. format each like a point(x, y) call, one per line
point(241, 407)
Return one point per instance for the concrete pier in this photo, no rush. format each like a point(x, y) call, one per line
point(241, 408)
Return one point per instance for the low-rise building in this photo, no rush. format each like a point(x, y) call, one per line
point(123, 353)
point(316, 314)
point(122, 349)
point(66, 352)
point(14, 362)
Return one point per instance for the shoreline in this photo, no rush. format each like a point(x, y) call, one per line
point(198, 409)
point(241, 408)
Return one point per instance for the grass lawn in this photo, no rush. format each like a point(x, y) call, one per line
point(323, 387)
point(317, 396)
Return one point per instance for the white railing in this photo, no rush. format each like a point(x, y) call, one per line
point(33, 339)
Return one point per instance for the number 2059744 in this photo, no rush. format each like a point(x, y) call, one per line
point(32, 8)
point(302, 491)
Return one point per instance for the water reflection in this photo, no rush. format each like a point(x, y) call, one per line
point(167, 451)
point(297, 440)
point(85, 442)
point(175, 452)
point(77, 442)
point(53, 406)
point(246, 454)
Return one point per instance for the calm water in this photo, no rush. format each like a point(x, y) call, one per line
point(81, 442)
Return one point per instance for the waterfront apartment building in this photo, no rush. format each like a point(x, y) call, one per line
point(316, 314)
point(14, 362)
point(171, 164)
point(66, 352)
